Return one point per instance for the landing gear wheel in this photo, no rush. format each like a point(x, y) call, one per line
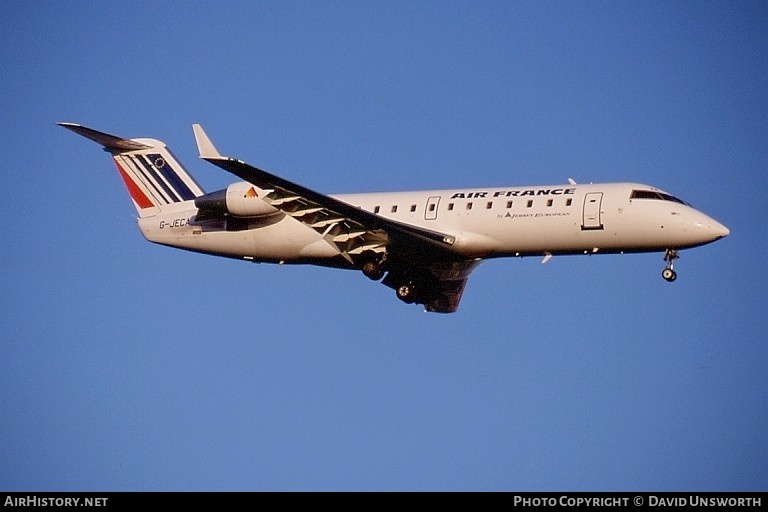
point(406, 292)
point(669, 273)
point(373, 270)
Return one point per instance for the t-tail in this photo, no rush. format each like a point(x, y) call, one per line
point(155, 179)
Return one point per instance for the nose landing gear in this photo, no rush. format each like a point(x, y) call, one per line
point(669, 273)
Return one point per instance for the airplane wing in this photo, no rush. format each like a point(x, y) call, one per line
point(412, 252)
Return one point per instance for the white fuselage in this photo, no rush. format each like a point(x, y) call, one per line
point(486, 223)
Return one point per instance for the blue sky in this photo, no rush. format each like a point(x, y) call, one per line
point(130, 366)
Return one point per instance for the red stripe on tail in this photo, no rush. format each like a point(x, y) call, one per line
point(138, 196)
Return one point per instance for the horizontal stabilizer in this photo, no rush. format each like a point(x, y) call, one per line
point(110, 142)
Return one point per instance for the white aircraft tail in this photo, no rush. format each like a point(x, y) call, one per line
point(154, 178)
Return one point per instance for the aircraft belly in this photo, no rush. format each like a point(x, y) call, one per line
point(285, 240)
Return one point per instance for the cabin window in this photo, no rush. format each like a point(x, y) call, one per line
point(394, 208)
point(376, 209)
point(413, 208)
point(530, 203)
point(568, 202)
point(432, 207)
point(489, 205)
point(469, 205)
point(509, 205)
point(450, 207)
point(549, 202)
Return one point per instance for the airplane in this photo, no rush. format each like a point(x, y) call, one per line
point(422, 244)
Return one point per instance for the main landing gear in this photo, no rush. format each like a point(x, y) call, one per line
point(406, 292)
point(410, 286)
point(669, 273)
point(374, 265)
point(373, 270)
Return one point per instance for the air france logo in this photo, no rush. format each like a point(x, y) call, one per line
point(516, 193)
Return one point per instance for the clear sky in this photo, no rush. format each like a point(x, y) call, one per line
point(130, 366)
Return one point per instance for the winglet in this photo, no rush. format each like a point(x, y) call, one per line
point(204, 145)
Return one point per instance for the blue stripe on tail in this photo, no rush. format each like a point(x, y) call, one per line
point(170, 175)
point(147, 168)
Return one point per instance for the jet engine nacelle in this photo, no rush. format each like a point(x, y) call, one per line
point(239, 199)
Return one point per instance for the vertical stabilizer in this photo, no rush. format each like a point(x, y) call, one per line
point(155, 179)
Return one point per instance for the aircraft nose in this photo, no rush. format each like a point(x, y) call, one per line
point(713, 229)
point(719, 230)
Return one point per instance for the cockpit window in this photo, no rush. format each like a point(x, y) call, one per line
point(659, 196)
